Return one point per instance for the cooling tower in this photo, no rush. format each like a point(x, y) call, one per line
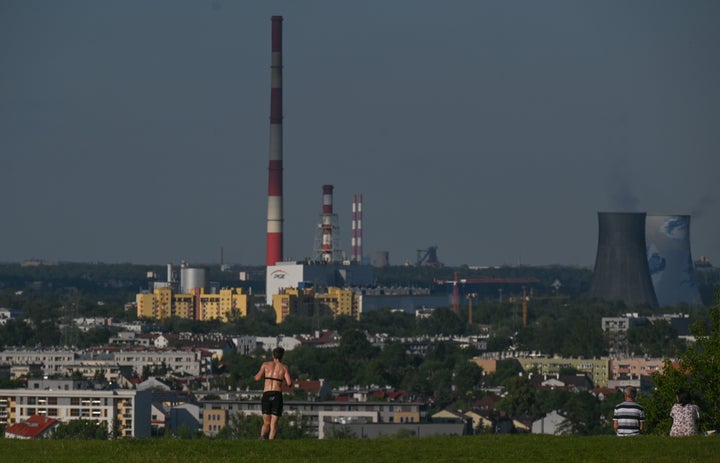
point(275, 171)
point(670, 261)
point(621, 271)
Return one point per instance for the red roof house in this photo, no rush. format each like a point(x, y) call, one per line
point(36, 427)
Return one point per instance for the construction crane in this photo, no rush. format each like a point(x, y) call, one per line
point(456, 282)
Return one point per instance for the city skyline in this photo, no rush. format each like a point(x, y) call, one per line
point(138, 132)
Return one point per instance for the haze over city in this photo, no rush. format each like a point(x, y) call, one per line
point(138, 131)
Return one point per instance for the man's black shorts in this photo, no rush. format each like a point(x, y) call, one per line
point(272, 403)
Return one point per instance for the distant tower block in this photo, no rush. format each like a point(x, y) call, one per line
point(670, 260)
point(328, 250)
point(356, 240)
point(621, 271)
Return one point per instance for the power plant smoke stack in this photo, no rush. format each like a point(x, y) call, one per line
point(621, 272)
point(326, 224)
point(328, 250)
point(275, 179)
point(670, 261)
point(356, 240)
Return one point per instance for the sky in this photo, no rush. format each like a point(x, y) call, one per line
point(137, 131)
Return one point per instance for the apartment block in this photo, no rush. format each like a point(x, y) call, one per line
point(163, 303)
point(216, 413)
point(109, 361)
point(596, 369)
point(305, 301)
point(126, 413)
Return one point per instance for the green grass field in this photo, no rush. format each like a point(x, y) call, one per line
point(485, 448)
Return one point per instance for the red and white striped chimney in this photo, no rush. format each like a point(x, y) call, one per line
point(275, 179)
point(326, 223)
point(356, 240)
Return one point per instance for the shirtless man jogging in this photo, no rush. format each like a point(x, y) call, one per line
point(275, 373)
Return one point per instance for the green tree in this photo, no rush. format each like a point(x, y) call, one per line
point(241, 427)
point(442, 321)
point(293, 426)
point(697, 372)
point(658, 339)
point(519, 397)
point(467, 378)
point(504, 371)
point(81, 429)
point(582, 414)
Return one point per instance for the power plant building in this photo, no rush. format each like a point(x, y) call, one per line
point(621, 265)
point(316, 275)
point(329, 270)
point(670, 260)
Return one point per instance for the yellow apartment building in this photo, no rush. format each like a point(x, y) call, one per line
point(304, 301)
point(162, 303)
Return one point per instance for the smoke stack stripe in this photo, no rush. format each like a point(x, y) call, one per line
point(275, 174)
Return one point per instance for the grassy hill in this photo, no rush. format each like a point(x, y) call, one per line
point(485, 448)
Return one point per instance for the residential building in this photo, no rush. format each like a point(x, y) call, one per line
point(306, 302)
point(628, 368)
point(7, 314)
point(126, 413)
point(549, 424)
point(109, 362)
point(596, 369)
point(35, 427)
point(216, 413)
point(223, 305)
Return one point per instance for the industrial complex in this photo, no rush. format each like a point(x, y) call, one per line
point(641, 260)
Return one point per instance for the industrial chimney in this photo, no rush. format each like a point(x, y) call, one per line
point(328, 250)
point(621, 271)
point(356, 240)
point(275, 179)
point(670, 261)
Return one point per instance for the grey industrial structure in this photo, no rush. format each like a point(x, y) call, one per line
point(621, 266)
point(670, 260)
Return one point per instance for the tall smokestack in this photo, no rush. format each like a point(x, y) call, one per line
point(275, 179)
point(356, 240)
point(353, 226)
point(327, 250)
point(670, 260)
point(621, 267)
point(359, 236)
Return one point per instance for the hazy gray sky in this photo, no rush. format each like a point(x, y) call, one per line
point(137, 131)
